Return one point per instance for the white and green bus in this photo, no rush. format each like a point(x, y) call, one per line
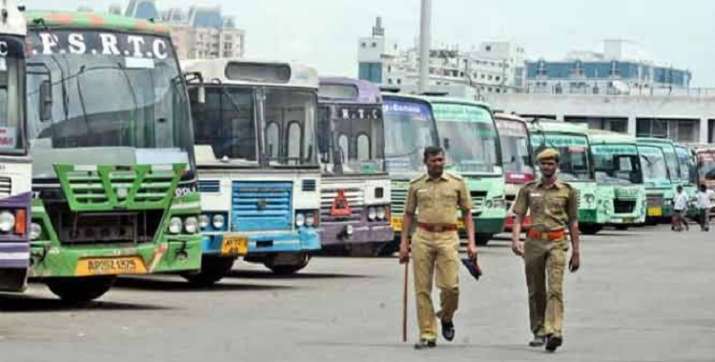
point(617, 165)
point(469, 136)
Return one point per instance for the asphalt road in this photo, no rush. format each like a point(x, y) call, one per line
point(647, 294)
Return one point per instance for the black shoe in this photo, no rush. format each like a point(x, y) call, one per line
point(424, 343)
point(553, 342)
point(448, 330)
point(538, 341)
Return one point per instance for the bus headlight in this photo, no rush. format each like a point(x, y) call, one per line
point(204, 221)
point(191, 225)
point(219, 221)
point(299, 219)
point(488, 204)
point(381, 213)
point(175, 225)
point(589, 198)
point(310, 219)
point(371, 213)
point(35, 231)
point(7, 221)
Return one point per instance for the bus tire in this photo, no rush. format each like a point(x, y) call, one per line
point(389, 248)
point(212, 270)
point(301, 262)
point(483, 239)
point(80, 290)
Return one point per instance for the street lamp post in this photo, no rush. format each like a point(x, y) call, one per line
point(425, 42)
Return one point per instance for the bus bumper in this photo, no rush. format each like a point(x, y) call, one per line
point(334, 234)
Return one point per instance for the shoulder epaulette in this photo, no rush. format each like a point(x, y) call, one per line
point(421, 177)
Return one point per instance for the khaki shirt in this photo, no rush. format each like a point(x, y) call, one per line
point(438, 201)
point(552, 207)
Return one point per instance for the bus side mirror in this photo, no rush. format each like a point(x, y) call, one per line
point(45, 103)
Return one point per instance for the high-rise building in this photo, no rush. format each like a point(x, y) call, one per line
point(494, 67)
point(200, 32)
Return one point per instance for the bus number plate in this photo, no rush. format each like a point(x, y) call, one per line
point(655, 211)
point(234, 245)
point(110, 266)
point(396, 223)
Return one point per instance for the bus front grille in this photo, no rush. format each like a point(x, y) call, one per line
point(258, 206)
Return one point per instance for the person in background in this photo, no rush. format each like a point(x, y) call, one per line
point(703, 203)
point(680, 207)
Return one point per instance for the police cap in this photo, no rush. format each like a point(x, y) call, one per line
point(548, 153)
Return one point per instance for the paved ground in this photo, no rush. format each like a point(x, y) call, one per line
point(642, 295)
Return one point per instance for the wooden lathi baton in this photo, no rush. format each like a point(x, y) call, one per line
point(404, 303)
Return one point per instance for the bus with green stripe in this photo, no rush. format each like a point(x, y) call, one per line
point(576, 167)
point(617, 165)
point(469, 136)
point(114, 178)
point(662, 186)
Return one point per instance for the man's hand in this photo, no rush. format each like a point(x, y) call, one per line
point(575, 262)
point(517, 246)
point(472, 251)
point(404, 253)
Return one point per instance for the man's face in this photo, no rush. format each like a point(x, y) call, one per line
point(548, 167)
point(435, 164)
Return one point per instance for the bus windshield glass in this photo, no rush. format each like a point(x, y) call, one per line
point(574, 161)
point(289, 127)
point(688, 172)
point(409, 128)
point(653, 164)
point(12, 136)
point(226, 122)
point(355, 138)
point(515, 148)
point(107, 90)
point(469, 136)
point(616, 164)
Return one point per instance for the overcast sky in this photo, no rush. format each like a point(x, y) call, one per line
point(324, 33)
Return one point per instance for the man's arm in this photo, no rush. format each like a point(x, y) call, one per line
point(517, 246)
point(407, 219)
point(572, 212)
point(471, 231)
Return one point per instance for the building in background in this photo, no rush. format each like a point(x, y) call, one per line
point(494, 67)
point(621, 68)
point(198, 33)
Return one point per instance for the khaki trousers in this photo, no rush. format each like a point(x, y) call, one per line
point(440, 252)
point(545, 260)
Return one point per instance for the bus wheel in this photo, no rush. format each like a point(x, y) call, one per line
point(286, 264)
point(80, 290)
point(589, 229)
point(483, 239)
point(212, 270)
point(389, 248)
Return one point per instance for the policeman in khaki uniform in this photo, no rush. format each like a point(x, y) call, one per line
point(435, 200)
point(554, 207)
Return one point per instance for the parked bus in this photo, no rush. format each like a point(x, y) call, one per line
point(114, 180)
point(409, 128)
point(15, 164)
point(688, 176)
point(658, 185)
point(660, 201)
point(355, 188)
point(576, 167)
point(470, 138)
point(705, 156)
point(617, 165)
point(518, 161)
point(256, 152)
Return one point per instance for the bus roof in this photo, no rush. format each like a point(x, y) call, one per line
point(14, 23)
point(655, 141)
point(509, 117)
point(404, 97)
point(449, 100)
point(92, 21)
point(557, 127)
point(599, 136)
point(265, 73)
point(367, 92)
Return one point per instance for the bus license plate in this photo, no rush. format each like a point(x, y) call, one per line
point(655, 211)
point(629, 220)
point(234, 245)
point(110, 266)
point(396, 223)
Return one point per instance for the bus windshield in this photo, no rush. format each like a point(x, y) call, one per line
point(515, 149)
point(671, 161)
point(616, 164)
point(409, 128)
point(706, 165)
point(688, 172)
point(12, 110)
point(653, 164)
point(107, 90)
point(469, 136)
point(574, 163)
point(355, 138)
